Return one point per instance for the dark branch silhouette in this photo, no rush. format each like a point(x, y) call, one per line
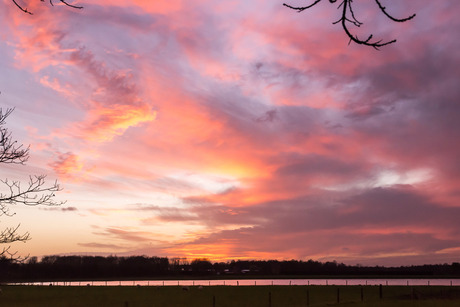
point(348, 17)
point(12, 192)
point(51, 2)
point(10, 152)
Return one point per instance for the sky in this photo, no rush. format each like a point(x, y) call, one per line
point(237, 129)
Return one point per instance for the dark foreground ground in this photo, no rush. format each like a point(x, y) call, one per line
point(220, 296)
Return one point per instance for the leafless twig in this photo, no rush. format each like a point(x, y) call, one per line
point(51, 2)
point(13, 192)
point(348, 17)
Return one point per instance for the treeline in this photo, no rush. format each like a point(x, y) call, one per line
point(142, 267)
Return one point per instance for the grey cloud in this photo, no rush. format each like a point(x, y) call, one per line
point(394, 207)
point(313, 164)
point(380, 223)
point(62, 209)
point(127, 235)
point(101, 245)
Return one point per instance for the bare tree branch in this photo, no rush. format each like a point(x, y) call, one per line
point(51, 2)
point(348, 16)
point(10, 234)
point(72, 6)
point(33, 195)
point(300, 9)
point(10, 152)
point(21, 8)
point(13, 192)
point(383, 9)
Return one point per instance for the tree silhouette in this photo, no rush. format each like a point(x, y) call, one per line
point(348, 17)
point(12, 192)
point(51, 2)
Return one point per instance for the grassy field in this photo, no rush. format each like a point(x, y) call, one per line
point(220, 296)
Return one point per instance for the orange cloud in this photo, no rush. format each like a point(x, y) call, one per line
point(67, 165)
point(104, 123)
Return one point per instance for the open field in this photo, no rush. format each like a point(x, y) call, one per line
point(220, 296)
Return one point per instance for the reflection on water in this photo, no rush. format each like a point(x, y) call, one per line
point(260, 282)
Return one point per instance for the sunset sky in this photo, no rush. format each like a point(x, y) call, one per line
point(237, 129)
